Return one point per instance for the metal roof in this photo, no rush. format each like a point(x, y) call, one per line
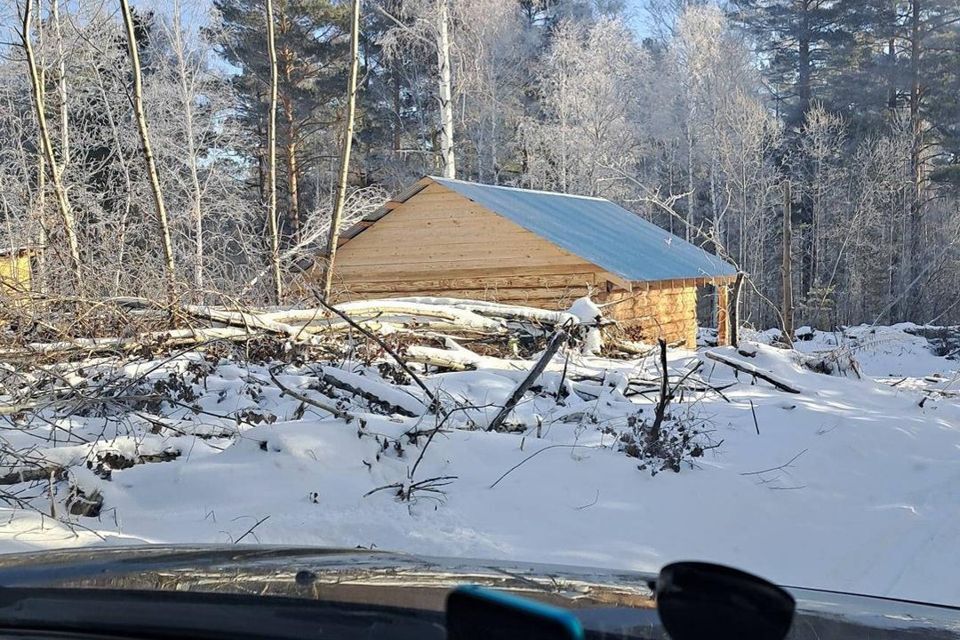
point(598, 231)
point(595, 229)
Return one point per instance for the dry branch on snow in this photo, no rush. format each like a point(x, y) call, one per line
point(353, 364)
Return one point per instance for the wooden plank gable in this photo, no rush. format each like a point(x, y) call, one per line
point(439, 234)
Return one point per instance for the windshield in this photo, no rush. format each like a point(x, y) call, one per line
point(592, 283)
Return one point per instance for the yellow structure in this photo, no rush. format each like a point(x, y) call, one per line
point(15, 271)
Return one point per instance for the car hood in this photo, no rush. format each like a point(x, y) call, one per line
point(620, 601)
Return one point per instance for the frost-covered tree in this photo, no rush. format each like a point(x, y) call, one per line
point(587, 132)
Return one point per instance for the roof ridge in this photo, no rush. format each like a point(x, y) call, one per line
point(441, 180)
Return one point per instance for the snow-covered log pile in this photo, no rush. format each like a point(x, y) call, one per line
point(76, 409)
point(437, 328)
point(142, 327)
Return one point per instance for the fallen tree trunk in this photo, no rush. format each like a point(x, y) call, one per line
point(31, 474)
point(463, 359)
point(89, 346)
point(243, 320)
point(499, 310)
point(443, 358)
point(321, 319)
point(459, 315)
point(556, 341)
point(329, 408)
point(748, 368)
point(102, 463)
point(383, 395)
point(633, 348)
point(435, 404)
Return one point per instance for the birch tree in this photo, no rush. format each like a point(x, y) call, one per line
point(161, 210)
point(425, 24)
point(272, 159)
point(185, 77)
point(341, 197)
point(492, 70)
point(63, 201)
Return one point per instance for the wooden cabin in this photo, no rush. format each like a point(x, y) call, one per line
point(445, 237)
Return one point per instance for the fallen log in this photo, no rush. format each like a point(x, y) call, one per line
point(557, 340)
point(83, 504)
point(31, 474)
point(102, 463)
point(405, 307)
point(633, 348)
point(435, 404)
point(386, 396)
point(329, 408)
point(243, 320)
point(499, 310)
point(388, 312)
point(462, 359)
point(396, 324)
point(90, 346)
point(749, 369)
point(443, 358)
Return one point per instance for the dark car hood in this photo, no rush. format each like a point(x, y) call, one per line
point(617, 601)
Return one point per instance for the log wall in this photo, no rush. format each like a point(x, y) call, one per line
point(649, 313)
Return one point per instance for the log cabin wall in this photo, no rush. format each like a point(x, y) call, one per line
point(656, 310)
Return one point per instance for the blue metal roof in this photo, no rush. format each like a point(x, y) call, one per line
point(598, 231)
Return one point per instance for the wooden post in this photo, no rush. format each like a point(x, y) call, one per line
point(723, 314)
point(735, 310)
point(786, 309)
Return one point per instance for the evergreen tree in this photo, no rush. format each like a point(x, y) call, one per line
point(800, 45)
point(312, 56)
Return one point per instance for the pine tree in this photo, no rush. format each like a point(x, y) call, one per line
point(800, 44)
point(312, 54)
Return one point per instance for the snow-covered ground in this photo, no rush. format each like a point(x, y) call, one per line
point(851, 484)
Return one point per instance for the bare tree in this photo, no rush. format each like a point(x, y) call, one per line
point(63, 202)
point(272, 159)
point(132, 48)
point(334, 234)
point(41, 197)
point(489, 65)
point(786, 268)
point(187, 97)
point(61, 85)
point(445, 90)
point(429, 27)
point(588, 132)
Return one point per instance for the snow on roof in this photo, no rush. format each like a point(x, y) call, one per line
point(598, 231)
